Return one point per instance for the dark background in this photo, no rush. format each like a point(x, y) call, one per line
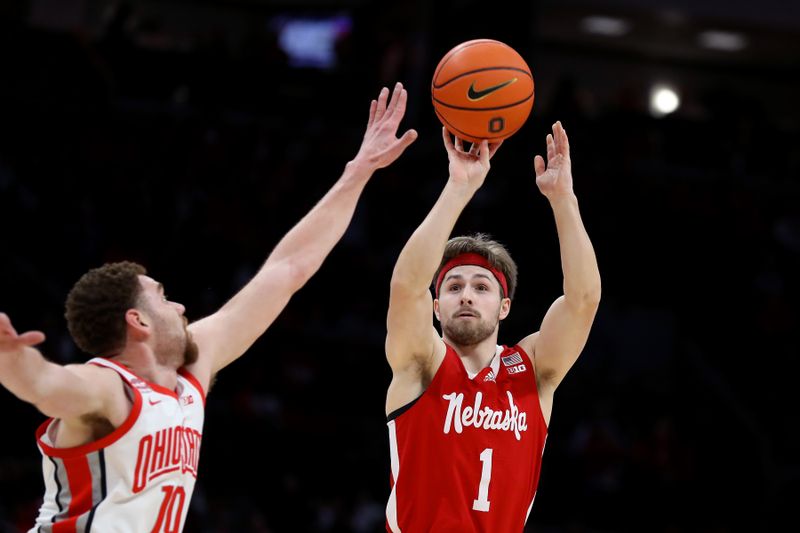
point(178, 134)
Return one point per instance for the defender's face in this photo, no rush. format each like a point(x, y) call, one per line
point(470, 304)
point(173, 343)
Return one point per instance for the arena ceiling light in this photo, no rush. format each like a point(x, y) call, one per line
point(726, 41)
point(604, 25)
point(664, 99)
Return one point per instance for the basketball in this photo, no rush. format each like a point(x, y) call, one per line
point(482, 89)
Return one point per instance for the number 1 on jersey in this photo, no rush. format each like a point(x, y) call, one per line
point(482, 503)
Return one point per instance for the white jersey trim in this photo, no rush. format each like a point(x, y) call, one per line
point(534, 492)
point(391, 507)
point(494, 364)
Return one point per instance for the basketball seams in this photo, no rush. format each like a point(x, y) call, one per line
point(467, 136)
point(459, 48)
point(461, 108)
point(485, 69)
point(491, 65)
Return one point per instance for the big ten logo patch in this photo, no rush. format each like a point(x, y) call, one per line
point(517, 369)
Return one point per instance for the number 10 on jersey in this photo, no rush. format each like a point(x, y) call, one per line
point(171, 512)
point(482, 503)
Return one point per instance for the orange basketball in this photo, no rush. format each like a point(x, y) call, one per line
point(482, 89)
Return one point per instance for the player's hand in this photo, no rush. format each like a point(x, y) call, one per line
point(469, 167)
point(555, 178)
point(381, 147)
point(13, 343)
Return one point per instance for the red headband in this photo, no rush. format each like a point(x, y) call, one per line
point(471, 259)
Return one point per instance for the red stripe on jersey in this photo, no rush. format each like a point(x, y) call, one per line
point(66, 526)
point(193, 380)
point(79, 478)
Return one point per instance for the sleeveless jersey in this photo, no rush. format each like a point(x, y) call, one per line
point(139, 478)
point(466, 454)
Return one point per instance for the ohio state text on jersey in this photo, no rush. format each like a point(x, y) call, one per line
point(137, 479)
point(466, 455)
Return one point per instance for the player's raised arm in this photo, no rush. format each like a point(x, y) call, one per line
point(227, 334)
point(411, 340)
point(566, 325)
point(65, 392)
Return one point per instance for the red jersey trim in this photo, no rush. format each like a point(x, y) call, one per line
point(105, 442)
point(193, 380)
point(155, 386)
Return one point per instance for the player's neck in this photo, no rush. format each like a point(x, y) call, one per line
point(478, 356)
point(141, 360)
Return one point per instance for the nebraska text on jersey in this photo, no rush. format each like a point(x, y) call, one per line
point(466, 454)
point(487, 418)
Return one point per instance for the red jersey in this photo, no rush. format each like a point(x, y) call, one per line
point(466, 454)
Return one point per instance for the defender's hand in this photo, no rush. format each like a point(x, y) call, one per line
point(381, 147)
point(13, 343)
point(555, 178)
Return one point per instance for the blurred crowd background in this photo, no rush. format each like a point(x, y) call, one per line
point(191, 135)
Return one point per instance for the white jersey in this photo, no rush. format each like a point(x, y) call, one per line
point(137, 479)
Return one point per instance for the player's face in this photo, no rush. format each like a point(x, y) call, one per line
point(470, 305)
point(173, 344)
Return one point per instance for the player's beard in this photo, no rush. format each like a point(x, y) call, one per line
point(190, 352)
point(467, 333)
point(175, 346)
